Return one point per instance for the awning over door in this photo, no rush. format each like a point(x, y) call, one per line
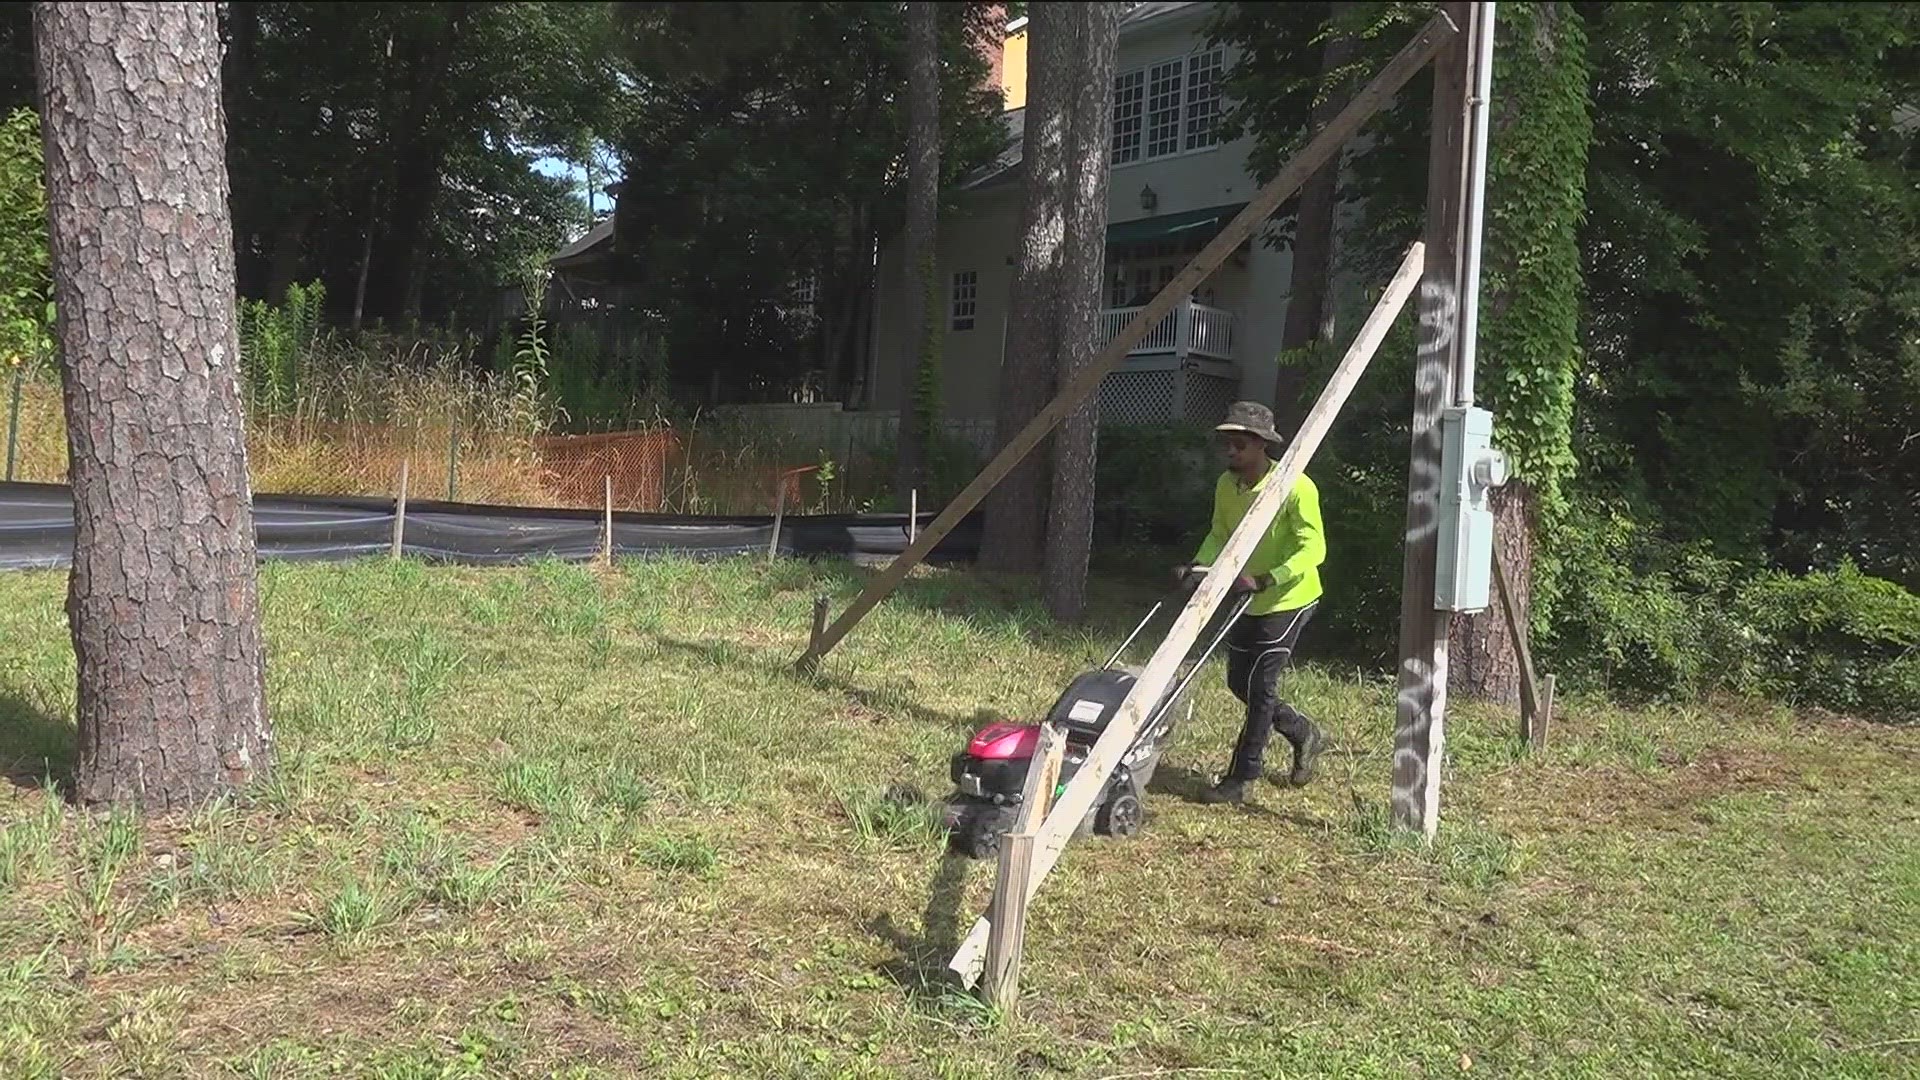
point(1193, 227)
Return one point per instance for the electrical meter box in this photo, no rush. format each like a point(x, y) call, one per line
point(1470, 468)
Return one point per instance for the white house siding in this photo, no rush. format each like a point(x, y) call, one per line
point(983, 236)
point(983, 241)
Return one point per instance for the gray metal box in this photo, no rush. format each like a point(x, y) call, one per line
point(1470, 468)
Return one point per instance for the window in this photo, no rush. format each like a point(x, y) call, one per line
point(966, 293)
point(1203, 99)
point(1129, 102)
point(1163, 109)
point(1168, 107)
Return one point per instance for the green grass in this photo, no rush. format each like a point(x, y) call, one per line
point(548, 822)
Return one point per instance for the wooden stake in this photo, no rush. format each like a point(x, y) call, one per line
point(1543, 720)
point(400, 512)
point(1080, 792)
point(779, 509)
point(1419, 733)
point(820, 604)
point(1516, 629)
point(1318, 151)
point(606, 534)
point(1007, 940)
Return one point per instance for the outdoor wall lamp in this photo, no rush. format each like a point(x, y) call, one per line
point(1149, 198)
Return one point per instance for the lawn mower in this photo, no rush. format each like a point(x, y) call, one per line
point(989, 775)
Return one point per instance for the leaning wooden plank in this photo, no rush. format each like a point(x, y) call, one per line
point(1517, 630)
point(1081, 791)
point(1320, 150)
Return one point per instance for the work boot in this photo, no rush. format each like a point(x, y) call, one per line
point(1226, 791)
point(1305, 753)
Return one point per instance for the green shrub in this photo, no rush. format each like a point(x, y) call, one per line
point(1839, 639)
point(1644, 618)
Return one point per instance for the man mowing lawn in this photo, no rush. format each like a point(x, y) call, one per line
point(1284, 574)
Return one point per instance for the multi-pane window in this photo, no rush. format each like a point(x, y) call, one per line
point(1163, 109)
point(1129, 103)
point(1203, 99)
point(1168, 107)
point(966, 298)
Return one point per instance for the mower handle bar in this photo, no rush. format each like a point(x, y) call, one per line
point(1180, 688)
point(1166, 702)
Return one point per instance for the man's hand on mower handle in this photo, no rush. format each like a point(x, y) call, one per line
point(1191, 576)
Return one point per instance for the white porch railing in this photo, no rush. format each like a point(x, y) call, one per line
point(1190, 329)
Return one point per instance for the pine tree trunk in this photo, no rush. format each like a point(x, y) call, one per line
point(162, 600)
point(1485, 664)
point(1016, 512)
point(921, 359)
point(1312, 240)
point(1070, 514)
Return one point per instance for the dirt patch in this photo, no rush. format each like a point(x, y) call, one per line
point(1728, 768)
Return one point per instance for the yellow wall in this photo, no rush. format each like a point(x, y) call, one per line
point(1013, 69)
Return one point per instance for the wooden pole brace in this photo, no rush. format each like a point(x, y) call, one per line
point(1536, 695)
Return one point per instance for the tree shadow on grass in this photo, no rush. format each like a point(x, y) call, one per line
point(35, 745)
point(724, 656)
point(920, 962)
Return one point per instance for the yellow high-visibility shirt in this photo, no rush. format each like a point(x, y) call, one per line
point(1291, 550)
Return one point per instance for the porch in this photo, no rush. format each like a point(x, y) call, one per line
point(1181, 372)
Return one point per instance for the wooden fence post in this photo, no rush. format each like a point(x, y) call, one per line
point(779, 510)
point(400, 512)
point(606, 534)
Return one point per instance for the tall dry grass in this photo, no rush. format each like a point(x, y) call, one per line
point(332, 413)
point(355, 422)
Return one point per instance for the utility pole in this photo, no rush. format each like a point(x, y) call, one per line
point(1442, 372)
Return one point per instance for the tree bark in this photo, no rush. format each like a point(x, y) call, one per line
point(1016, 512)
point(1485, 662)
point(1313, 239)
point(162, 600)
point(920, 361)
point(1075, 451)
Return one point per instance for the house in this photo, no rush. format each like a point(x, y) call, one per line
point(1174, 185)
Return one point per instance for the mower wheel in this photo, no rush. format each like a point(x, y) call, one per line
point(1122, 815)
point(978, 841)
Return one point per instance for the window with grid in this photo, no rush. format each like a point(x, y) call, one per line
point(1168, 107)
point(1163, 109)
point(966, 295)
point(1129, 102)
point(1203, 98)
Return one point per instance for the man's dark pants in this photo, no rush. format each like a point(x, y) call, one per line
point(1259, 648)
